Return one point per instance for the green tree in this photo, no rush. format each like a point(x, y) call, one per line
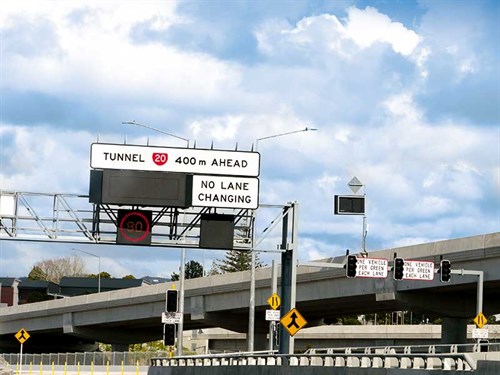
point(104, 275)
point(193, 269)
point(148, 347)
point(128, 277)
point(235, 261)
point(36, 273)
point(55, 269)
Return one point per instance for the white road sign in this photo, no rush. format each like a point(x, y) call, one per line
point(371, 267)
point(478, 333)
point(225, 192)
point(273, 315)
point(171, 317)
point(418, 270)
point(169, 159)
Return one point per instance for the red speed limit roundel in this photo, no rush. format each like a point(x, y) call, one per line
point(134, 227)
point(160, 158)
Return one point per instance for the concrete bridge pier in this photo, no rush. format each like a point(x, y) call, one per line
point(454, 331)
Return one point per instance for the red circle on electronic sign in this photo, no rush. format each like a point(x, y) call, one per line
point(146, 231)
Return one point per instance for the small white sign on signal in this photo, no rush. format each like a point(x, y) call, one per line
point(418, 270)
point(171, 318)
point(273, 315)
point(371, 267)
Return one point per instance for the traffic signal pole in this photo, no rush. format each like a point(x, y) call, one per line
point(182, 287)
point(480, 282)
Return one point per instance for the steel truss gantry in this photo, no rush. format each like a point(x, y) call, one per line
point(55, 217)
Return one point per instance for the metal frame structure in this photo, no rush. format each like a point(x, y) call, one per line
point(72, 218)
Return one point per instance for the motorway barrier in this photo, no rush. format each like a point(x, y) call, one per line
point(428, 358)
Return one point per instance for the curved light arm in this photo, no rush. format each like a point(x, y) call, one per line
point(155, 129)
point(281, 134)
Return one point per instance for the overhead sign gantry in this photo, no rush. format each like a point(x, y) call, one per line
point(173, 179)
point(142, 195)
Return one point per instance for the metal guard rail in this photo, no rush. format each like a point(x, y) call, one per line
point(415, 357)
point(459, 362)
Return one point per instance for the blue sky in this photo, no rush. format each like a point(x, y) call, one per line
point(405, 94)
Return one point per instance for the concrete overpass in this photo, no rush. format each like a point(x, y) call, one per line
point(134, 315)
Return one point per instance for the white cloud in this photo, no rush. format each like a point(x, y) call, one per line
point(58, 164)
point(402, 106)
point(367, 27)
point(362, 28)
point(98, 58)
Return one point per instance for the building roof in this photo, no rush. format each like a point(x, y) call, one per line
point(106, 283)
point(7, 281)
point(48, 286)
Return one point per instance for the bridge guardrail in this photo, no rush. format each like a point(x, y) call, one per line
point(434, 357)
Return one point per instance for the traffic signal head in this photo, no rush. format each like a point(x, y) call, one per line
point(351, 266)
point(169, 334)
point(171, 300)
point(398, 270)
point(445, 271)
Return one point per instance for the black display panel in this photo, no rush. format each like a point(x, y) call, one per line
point(349, 205)
point(217, 231)
point(140, 188)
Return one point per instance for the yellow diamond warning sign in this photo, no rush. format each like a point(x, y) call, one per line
point(22, 335)
point(480, 320)
point(274, 301)
point(293, 322)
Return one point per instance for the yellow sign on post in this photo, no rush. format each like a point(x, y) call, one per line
point(480, 320)
point(22, 335)
point(274, 301)
point(293, 322)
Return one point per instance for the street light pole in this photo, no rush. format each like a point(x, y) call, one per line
point(182, 271)
point(99, 267)
point(251, 309)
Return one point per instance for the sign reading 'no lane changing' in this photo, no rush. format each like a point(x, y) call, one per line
point(225, 192)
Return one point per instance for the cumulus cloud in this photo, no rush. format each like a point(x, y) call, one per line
point(314, 35)
point(91, 57)
point(367, 27)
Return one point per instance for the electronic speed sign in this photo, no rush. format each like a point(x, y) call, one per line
point(134, 227)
